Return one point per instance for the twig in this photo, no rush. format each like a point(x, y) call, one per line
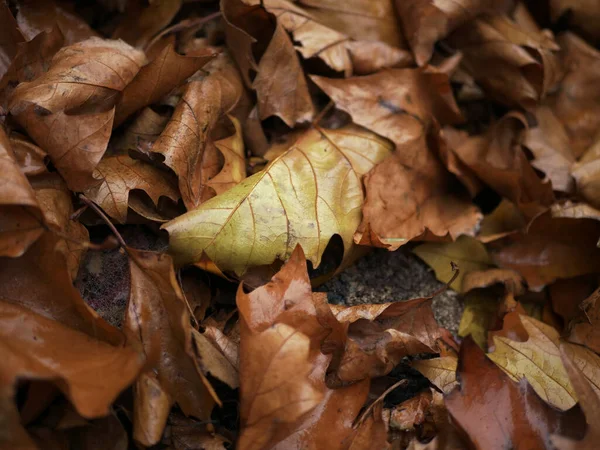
point(379, 399)
point(98, 211)
point(324, 111)
point(456, 271)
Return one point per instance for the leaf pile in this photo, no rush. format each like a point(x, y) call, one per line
point(177, 177)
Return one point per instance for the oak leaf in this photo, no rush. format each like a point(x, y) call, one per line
point(119, 175)
point(494, 411)
point(425, 22)
point(305, 196)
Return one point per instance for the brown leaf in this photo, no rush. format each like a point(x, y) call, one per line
point(503, 221)
point(371, 433)
point(141, 133)
point(583, 15)
point(187, 141)
point(425, 22)
point(30, 157)
point(576, 103)
point(37, 16)
point(139, 24)
point(158, 322)
point(121, 174)
point(496, 412)
point(514, 65)
point(586, 173)
point(20, 217)
point(150, 409)
point(498, 159)
point(439, 371)
point(399, 104)
point(380, 335)
point(584, 329)
point(187, 434)
point(89, 372)
point(410, 412)
point(165, 72)
point(338, 50)
point(212, 361)
point(234, 166)
point(58, 108)
point(589, 402)
point(280, 84)
point(551, 249)
point(550, 145)
point(10, 37)
point(512, 281)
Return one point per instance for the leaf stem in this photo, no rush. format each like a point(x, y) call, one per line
point(106, 220)
point(379, 399)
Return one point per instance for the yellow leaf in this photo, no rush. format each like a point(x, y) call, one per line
point(305, 196)
point(538, 360)
point(440, 371)
point(467, 252)
point(480, 309)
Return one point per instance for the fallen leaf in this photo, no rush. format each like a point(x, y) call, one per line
point(212, 361)
point(10, 37)
point(21, 219)
point(187, 140)
point(586, 172)
point(583, 329)
point(411, 412)
point(551, 148)
point(234, 167)
point(503, 221)
point(494, 411)
point(582, 15)
point(338, 50)
point(266, 214)
point(30, 158)
point(188, 434)
point(441, 372)
point(142, 132)
point(512, 281)
point(36, 16)
point(57, 108)
point(498, 159)
point(139, 24)
point(550, 250)
point(89, 372)
point(425, 22)
point(150, 409)
point(158, 322)
point(479, 315)
point(371, 433)
point(575, 103)
point(165, 72)
point(515, 66)
point(589, 402)
point(469, 254)
point(119, 175)
point(538, 361)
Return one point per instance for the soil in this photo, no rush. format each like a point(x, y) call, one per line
point(384, 276)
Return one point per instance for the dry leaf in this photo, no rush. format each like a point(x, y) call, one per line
point(480, 313)
point(514, 65)
point(581, 15)
point(411, 412)
point(118, 175)
point(586, 172)
point(469, 254)
point(150, 409)
point(305, 196)
point(214, 362)
point(338, 50)
point(21, 217)
point(503, 221)
point(10, 37)
point(68, 110)
point(165, 72)
point(551, 249)
point(495, 412)
point(158, 322)
point(30, 158)
point(584, 329)
point(187, 140)
point(425, 22)
point(512, 281)
point(440, 371)
point(576, 103)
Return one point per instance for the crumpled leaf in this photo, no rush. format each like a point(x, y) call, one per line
point(425, 21)
point(158, 322)
point(165, 72)
point(280, 84)
point(550, 145)
point(411, 412)
point(234, 166)
point(584, 329)
point(498, 159)
point(512, 281)
point(514, 65)
point(576, 104)
point(68, 110)
point(400, 104)
point(469, 254)
point(495, 412)
point(20, 215)
point(338, 50)
point(121, 174)
point(305, 196)
point(187, 140)
point(553, 248)
point(30, 158)
point(380, 335)
point(139, 24)
point(36, 16)
point(589, 402)
point(188, 434)
point(586, 173)
point(89, 372)
point(212, 361)
point(141, 133)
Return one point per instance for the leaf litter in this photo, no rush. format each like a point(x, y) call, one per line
point(189, 191)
